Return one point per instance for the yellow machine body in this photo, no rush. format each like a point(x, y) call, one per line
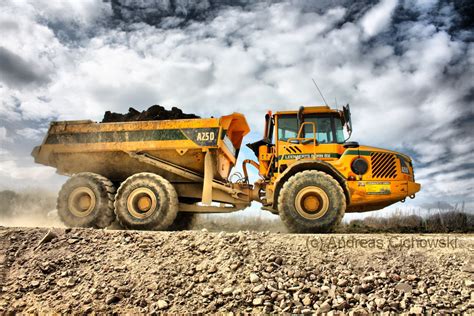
point(388, 179)
point(197, 155)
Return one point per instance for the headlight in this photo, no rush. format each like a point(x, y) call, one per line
point(404, 166)
point(359, 166)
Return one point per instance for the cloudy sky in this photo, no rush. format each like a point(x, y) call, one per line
point(406, 68)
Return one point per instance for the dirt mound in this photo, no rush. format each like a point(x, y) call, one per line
point(84, 271)
point(153, 113)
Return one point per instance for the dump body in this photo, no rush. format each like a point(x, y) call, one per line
point(78, 146)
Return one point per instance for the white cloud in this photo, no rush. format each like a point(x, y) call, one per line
point(403, 96)
point(35, 134)
point(3, 134)
point(378, 18)
point(10, 169)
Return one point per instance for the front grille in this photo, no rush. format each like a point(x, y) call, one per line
point(383, 165)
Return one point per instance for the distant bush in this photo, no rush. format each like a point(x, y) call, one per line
point(442, 222)
point(232, 223)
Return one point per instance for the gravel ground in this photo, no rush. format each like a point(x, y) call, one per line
point(85, 271)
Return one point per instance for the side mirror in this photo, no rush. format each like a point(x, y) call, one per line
point(346, 112)
point(299, 117)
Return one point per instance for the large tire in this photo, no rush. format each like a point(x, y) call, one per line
point(146, 201)
point(183, 221)
point(86, 200)
point(311, 201)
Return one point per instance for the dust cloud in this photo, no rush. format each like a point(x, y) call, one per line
point(28, 208)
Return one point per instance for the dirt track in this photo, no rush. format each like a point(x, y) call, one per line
point(83, 270)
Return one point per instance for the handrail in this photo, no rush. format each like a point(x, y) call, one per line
point(298, 138)
point(301, 139)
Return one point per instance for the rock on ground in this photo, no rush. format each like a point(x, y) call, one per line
point(201, 272)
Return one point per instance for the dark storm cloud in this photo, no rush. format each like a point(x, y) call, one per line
point(16, 72)
point(454, 16)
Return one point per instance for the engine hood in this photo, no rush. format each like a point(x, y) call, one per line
point(367, 150)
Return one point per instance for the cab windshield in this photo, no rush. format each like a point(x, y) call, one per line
point(329, 128)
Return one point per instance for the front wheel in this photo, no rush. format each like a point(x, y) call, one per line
point(311, 202)
point(146, 201)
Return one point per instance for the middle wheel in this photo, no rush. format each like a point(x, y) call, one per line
point(146, 201)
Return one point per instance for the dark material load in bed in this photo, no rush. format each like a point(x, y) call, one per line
point(153, 113)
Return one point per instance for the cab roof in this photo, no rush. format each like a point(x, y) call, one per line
point(311, 110)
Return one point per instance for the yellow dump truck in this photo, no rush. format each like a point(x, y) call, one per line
point(156, 174)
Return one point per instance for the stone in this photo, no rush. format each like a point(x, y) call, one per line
point(50, 235)
point(257, 301)
point(207, 292)
point(417, 310)
point(258, 288)
point(162, 304)
point(307, 300)
point(412, 277)
point(254, 278)
point(403, 287)
point(358, 311)
point(395, 277)
point(342, 282)
point(227, 291)
point(111, 299)
point(72, 241)
point(469, 283)
point(340, 303)
point(380, 302)
point(324, 308)
point(367, 287)
point(403, 304)
point(468, 267)
point(70, 282)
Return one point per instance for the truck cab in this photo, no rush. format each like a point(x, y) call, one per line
point(310, 144)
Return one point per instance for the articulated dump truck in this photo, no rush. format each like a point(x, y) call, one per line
point(155, 175)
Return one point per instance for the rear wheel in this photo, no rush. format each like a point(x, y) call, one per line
point(146, 201)
point(311, 201)
point(87, 200)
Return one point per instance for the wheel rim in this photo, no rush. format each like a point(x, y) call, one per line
point(312, 202)
point(81, 201)
point(141, 203)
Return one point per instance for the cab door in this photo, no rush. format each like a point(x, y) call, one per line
point(318, 139)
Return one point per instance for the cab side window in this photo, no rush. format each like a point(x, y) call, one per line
point(324, 132)
point(287, 127)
